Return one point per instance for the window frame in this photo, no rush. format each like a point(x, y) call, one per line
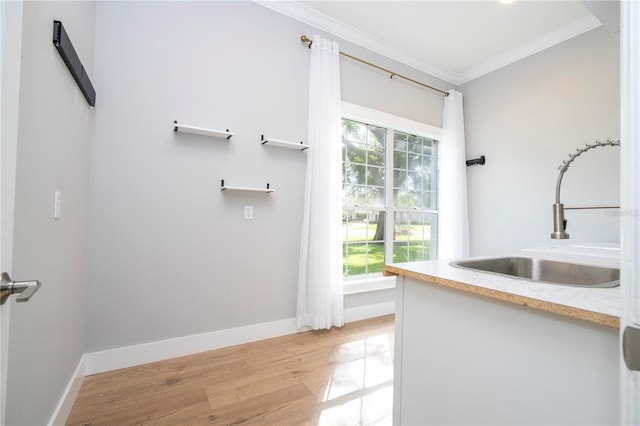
point(350, 111)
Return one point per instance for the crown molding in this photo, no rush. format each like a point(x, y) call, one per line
point(563, 34)
point(302, 13)
point(330, 25)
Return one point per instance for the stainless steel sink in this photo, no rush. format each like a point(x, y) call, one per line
point(542, 270)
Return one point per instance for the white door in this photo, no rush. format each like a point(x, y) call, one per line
point(630, 200)
point(46, 113)
point(10, 21)
point(8, 129)
point(10, 42)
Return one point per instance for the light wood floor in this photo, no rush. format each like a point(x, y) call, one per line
point(332, 377)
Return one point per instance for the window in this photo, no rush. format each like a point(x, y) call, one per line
point(389, 196)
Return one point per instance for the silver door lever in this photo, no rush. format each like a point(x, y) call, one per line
point(24, 289)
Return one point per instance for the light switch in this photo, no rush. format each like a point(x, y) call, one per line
point(57, 205)
point(248, 212)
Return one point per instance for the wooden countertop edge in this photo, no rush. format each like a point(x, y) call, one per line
point(582, 314)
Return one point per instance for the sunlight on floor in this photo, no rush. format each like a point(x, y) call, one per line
point(360, 388)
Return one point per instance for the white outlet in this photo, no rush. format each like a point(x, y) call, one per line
point(248, 212)
point(57, 204)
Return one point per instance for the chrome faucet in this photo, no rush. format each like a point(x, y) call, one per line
point(559, 222)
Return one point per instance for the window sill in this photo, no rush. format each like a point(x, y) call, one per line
point(364, 285)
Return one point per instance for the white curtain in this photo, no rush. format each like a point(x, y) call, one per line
point(320, 296)
point(453, 218)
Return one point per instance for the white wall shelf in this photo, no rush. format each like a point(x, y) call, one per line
point(224, 187)
point(226, 134)
point(283, 144)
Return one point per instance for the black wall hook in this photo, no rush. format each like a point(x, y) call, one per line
point(475, 161)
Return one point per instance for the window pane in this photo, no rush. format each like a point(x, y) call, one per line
point(399, 160)
point(427, 163)
point(361, 195)
point(353, 131)
point(375, 258)
point(414, 172)
point(427, 182)
point(400, 197)
point(414, 199)
point(399, 178)
point(362, 242)
point(412, 237)
point(353, 228)
point(402, 228)
point(408, 199)
point(362, 259)
point(414, 161)
point(410, 252)
point(363, 164)
point(356, 152)
point(415, 144)
point(377, 136)
point(355, 194)
point(375, 176)
point(356, 173)
point(375, 156)
point(400, 141)
point(352, 194)
point(374, 197)
point(414, 180)
point(429, 200)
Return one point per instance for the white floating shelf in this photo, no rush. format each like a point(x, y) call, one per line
point(224, 187)
point(177, 127)
point(283, 144)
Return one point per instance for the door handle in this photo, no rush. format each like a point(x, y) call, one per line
point(24, 289)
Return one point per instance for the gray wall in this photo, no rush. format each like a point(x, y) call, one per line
point(170, 254)
point(526, 118)
point(47, 333)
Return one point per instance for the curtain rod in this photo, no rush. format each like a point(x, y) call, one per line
point(305, 39)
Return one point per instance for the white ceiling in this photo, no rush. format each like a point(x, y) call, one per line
point(456, 41)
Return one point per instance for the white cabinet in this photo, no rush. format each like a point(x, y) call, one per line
point(463, 358)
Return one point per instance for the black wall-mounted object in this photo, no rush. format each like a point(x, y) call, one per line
point(62, 42)
point(475, 161)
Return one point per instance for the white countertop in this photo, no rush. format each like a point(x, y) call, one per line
point(597, 300)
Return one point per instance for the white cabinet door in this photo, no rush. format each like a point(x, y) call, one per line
point(463, 358)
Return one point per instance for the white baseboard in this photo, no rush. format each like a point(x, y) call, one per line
point(129, 356)
point(369, 311)
point(62, 411)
